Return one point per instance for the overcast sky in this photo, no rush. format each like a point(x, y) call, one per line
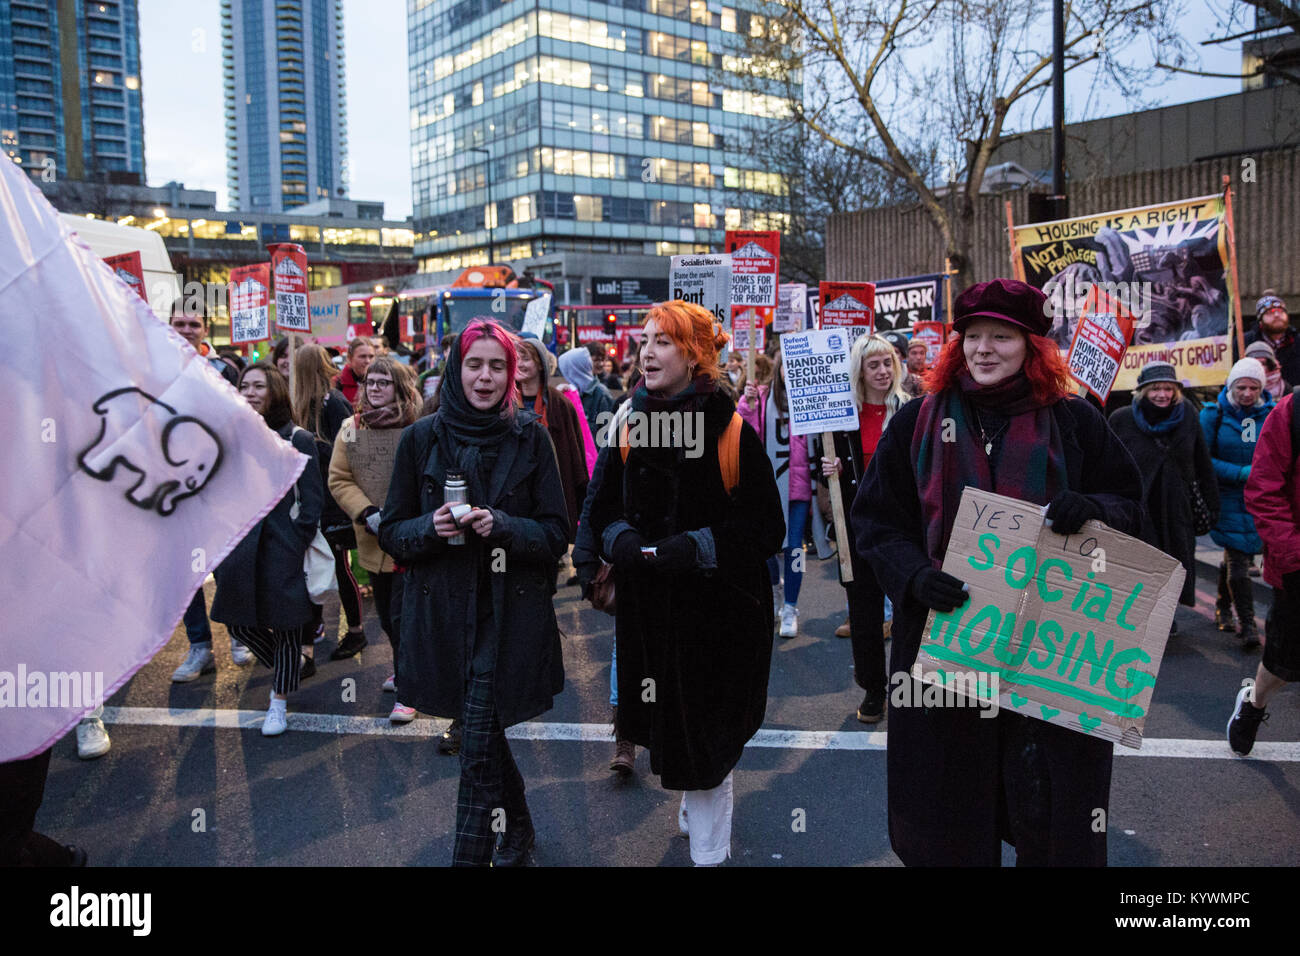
point(180, 49)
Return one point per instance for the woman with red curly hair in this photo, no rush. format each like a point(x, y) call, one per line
point(478, 633)
point(688, 524)
point(999, 417)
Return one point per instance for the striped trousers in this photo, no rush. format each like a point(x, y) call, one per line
point(277, 648)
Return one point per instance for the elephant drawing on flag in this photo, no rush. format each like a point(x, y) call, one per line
point(172, 456)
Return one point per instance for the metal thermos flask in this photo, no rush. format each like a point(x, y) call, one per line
point(454, 492)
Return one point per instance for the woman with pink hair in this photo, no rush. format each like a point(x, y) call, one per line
point(479, 638)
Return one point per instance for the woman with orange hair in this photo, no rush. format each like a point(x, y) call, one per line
point(688, 523)
point(999, 417)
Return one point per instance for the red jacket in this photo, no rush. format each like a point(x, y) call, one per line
point(347, 383)
point(1273, 494)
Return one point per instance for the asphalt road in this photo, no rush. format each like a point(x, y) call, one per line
point(354, 791)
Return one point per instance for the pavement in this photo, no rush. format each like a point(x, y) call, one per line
point(190, 780)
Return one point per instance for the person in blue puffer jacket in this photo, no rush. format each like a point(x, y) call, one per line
point(1232, 426)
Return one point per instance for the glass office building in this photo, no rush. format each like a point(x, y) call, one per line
point(597, 128)
point(70, 89)
point(286, 104)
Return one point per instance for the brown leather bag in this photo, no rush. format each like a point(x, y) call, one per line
point(602, 589)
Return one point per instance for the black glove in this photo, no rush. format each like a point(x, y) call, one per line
point(1069, 510)
point(938, 589)
point(370, 520)
point(626, 552)
point(675, 554)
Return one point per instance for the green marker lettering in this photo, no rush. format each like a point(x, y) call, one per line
point(1123, 612)
point(1030, 557)
point(993, 616)
point(1053, 594)
point(1088, 654)
point(1067, 655)
point(982, 543)
point(1138, 681)
point(1099, 603)
point(1046, 631)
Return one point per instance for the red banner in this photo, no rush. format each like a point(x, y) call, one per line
point(289, 266)
point(1100, 340)
point(755, 265)
point(250, 298)
point(128, 268)
point(931, 333)
point(848, 305)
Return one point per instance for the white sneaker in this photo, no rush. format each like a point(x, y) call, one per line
point(390, 685)
point(92, 739)
point(198, 661)
point(401, 714)
point(239, 653)
point(789, 620)
point(277, 721)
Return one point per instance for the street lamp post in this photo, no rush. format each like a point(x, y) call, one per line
point(491, 207)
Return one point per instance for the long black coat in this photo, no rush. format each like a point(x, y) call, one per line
point(944, 762)
point(1167, 463)
point(335, 412)
point(261, 583)
point(440, 599)
point(703, 637)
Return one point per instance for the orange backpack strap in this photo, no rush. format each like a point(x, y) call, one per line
point(623, 449)
point(729, 452)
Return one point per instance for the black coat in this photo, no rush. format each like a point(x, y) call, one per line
point(704, 637)
point(335, 413)
point(440, 599)
point(1168, 463)
point(261, 583)
point(944, 762)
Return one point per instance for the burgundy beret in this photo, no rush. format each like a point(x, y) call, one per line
point(1007, 299)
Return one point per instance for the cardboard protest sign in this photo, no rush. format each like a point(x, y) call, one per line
point(536, 313)
point(289, 265)
point(791, 307)
point(931, 333)
point(705, 281)
point(1164, 263)
point(817, 381)
point(329, 315)
point(740, 325)
point(371, 456)
point(128, 267)
point(755, 262)
point(902, 303)
point(1100, 340)
point(1067, 629)
point(250, 299)
point(850, 306)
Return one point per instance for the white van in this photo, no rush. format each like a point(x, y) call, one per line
point(110, 239)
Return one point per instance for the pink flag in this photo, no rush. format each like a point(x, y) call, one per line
point(130, 469)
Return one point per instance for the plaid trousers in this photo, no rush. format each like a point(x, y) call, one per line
point(491, 795)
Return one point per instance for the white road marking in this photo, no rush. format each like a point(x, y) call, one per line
point(1212, 749)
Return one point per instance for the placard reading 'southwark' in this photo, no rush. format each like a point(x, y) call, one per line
point(1073, 626)
point(817, 381)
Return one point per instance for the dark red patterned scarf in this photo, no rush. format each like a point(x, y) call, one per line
point(1031, 459)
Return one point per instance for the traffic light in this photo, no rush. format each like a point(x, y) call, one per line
point(611, 323)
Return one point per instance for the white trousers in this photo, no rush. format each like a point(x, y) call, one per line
point(705, 816)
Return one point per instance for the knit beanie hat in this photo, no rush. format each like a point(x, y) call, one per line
point(1247, 368)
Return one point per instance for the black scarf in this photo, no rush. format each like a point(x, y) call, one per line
point(468, 433)
point(688, 401)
